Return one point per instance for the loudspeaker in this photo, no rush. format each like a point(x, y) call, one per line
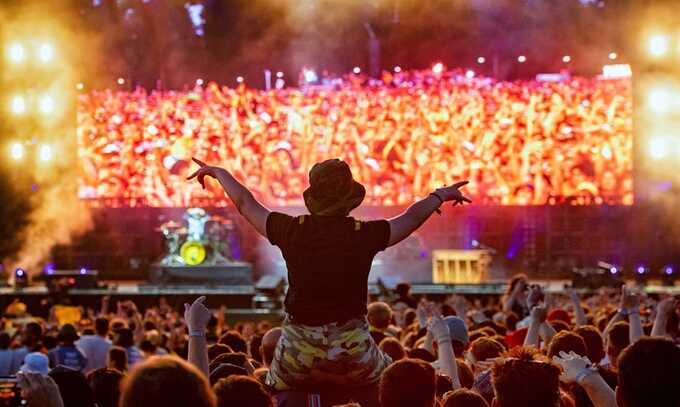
point(594, 278)
point(62, 280)
point(234, 273)
point(271, 284)
point(269, 292)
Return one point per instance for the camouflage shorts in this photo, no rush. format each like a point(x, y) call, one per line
point(335, 354)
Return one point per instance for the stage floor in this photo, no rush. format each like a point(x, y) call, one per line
point(142, 288)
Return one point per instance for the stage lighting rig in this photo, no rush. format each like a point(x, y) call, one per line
point(16, 53)
point(658, 45)
point(45, 153)
point(45, 52)
point(641, 272)
point(18, 105)
point(668, 270)
point(17, 151)
point(659, 147)
point(46, 105)
point(656, 97)
point(613, 269)
point(660, 99)
point(20, 278)
point(668, 275)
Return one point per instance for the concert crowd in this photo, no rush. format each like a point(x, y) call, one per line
point(526, 348)
point(519, 143)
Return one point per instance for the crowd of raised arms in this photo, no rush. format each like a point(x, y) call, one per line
point(526, 348)
point(518, 143)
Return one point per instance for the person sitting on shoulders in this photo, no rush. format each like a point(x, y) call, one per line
point(325, 336)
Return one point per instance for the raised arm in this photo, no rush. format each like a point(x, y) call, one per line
point(197, 317)
point(254, 212)
point(406, 223)
point(579, 313)
point(578, 369)
point(630, 302)
point(446, 357)
point(664, 310)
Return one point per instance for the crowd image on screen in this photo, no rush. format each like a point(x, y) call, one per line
point(518, 142)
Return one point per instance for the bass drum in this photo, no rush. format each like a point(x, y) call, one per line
point(192, 252)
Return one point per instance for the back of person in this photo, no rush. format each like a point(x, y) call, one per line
point(105, 385)
point(73, 387)
point(6, 354)
point(408, 382)
point(166, 381)
point(134, 355)
point(241, 391)
point(328, 260)
point(69, 356)
point(95, 348)
point(525, 378)
point(18, 356)
point(649, 374)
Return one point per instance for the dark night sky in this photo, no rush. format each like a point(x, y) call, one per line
point(145, 41)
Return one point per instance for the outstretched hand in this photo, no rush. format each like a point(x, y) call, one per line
point(630, 300)
point(204, 170)
point(439, 329)
point(572, 365)
point(452, 193)
point(197, 315)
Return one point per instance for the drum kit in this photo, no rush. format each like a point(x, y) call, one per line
point(203, 240)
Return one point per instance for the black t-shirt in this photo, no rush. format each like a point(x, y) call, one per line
point(328, 260)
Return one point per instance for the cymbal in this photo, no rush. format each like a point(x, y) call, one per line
point(171, 225)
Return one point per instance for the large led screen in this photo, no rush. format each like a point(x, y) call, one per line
point(519, 142)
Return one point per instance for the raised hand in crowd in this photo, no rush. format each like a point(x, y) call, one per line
point(664, 309)
point(197, 316)
point(535, 296)
point(630, 300)
point(579, 314)
point(439, 330)
point(578, 369)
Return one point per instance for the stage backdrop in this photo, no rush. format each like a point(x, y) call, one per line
point(519, 143)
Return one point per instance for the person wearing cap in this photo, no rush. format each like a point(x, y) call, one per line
point(325, 336)
point(458, 336)
point(35, 362)
point(67, 354)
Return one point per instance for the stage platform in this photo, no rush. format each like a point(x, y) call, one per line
point(240, 296)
